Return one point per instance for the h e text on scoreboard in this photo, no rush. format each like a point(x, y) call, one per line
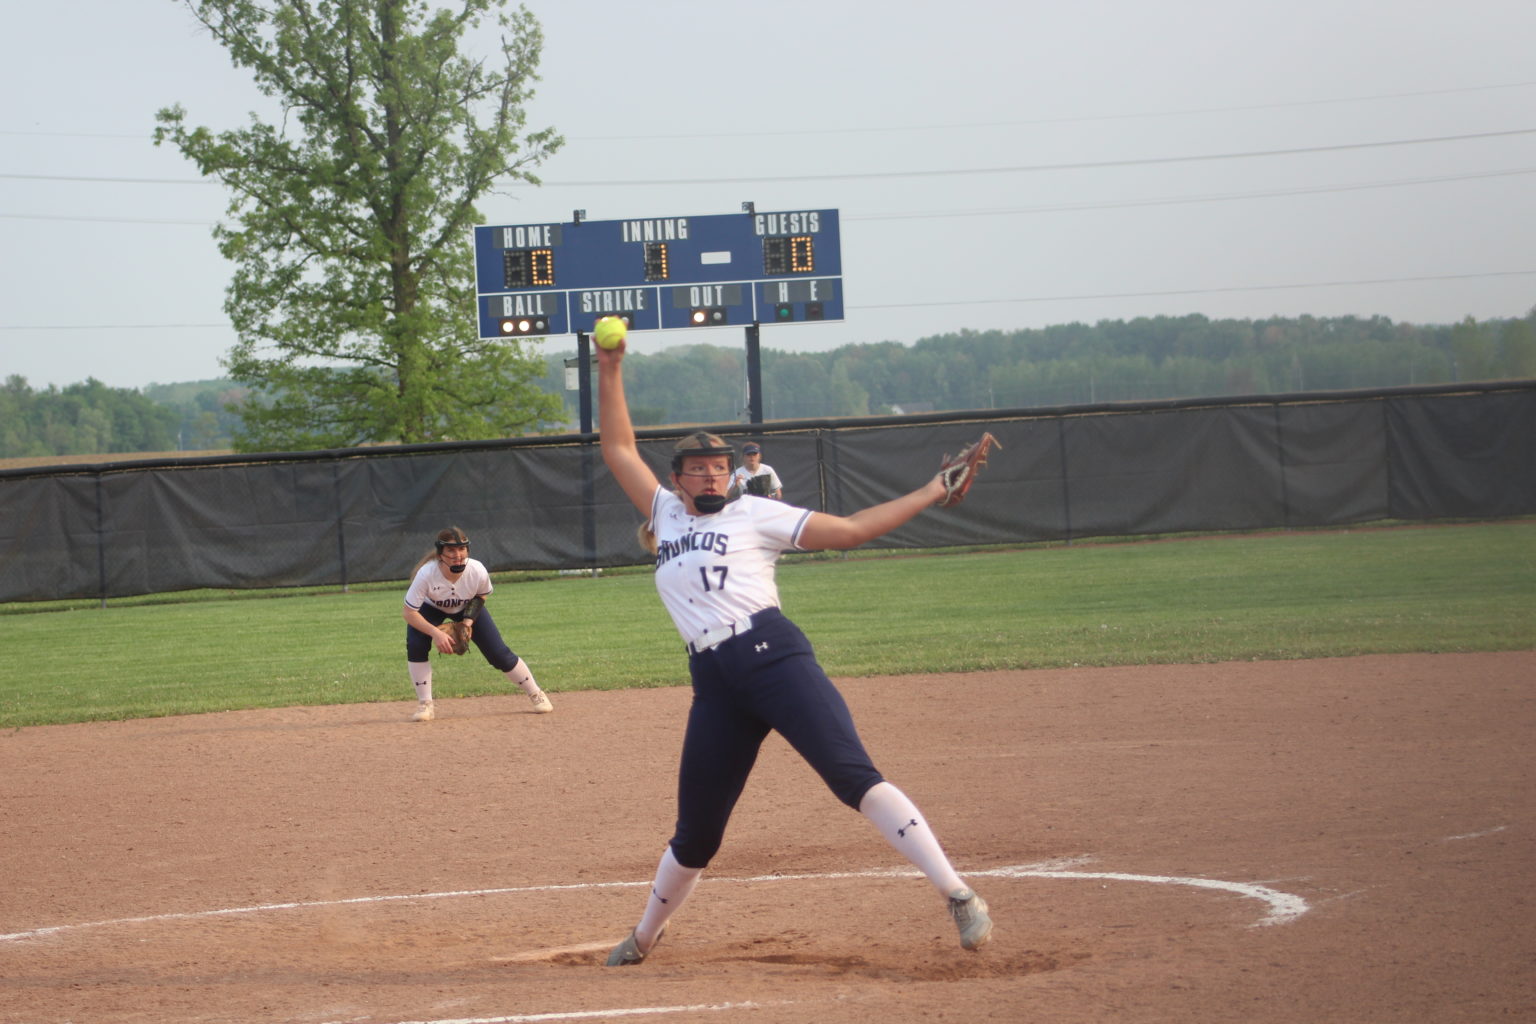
point(660, 273)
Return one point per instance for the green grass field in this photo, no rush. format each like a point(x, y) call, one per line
point(1463, 587)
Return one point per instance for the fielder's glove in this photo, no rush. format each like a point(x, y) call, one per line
point(958, 472)
point(459, 633)
point(760, 485)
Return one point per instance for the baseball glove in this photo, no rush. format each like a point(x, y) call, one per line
point(958, 472)
point(760, 485)
point(460, 633)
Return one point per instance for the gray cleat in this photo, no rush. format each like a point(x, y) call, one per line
point(627, 953)
point(970, 913)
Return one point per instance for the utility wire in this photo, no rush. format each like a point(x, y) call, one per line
point(951, 172)
point(1112, 204)
point(869, 129)
point(1116, 204)
point(914, 305)
point(1206, 291)
point(1078, 119)
point(1032, 168)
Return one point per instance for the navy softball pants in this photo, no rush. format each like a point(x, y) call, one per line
point(763, 680)
point(486, 637)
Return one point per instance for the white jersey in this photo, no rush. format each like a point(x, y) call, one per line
point(432, 586)
point(742, 474)
point(715, 570)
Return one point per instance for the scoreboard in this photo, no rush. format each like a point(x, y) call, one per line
point(660, 273)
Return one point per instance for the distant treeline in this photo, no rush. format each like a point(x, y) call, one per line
point(1073, 364)
point(80, 419)
point(93, 419)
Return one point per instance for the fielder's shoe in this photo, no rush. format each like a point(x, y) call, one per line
point(970, 913)
point(424, 713)
point(627, 953)
point(541, 704)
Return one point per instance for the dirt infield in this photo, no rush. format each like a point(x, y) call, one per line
point(1340, 840)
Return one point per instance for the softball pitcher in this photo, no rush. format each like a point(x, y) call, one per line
point(752, 669)
point(448, 584)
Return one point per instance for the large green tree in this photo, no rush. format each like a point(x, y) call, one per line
point(350, 219)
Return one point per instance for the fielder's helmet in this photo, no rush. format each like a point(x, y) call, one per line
point(452, 535)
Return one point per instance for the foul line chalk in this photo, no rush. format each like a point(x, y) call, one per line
point(1283, 907)
point(637, 1011)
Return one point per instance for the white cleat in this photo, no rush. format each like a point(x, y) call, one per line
point(970, 913)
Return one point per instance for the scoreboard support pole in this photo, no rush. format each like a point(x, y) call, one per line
point(584, 381)
point(588, 462)
point(754, 374)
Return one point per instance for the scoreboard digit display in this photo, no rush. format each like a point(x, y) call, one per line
point(529, 268)
point(660, 273)
point(789, 254)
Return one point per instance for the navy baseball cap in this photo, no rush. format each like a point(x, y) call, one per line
point(750, 449)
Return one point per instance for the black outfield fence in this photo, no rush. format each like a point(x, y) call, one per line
point(364, 514)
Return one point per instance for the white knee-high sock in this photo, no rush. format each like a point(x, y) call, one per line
point(672, 886)
point(905, 828)
point(421, 678)
point(520, 675)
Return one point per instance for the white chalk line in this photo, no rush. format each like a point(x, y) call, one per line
point(1283, 906)
point(636, 1011)
point(1476, 835)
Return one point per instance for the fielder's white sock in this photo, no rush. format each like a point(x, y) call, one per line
point(421, 678)
point(672, 886)
point(905, 828)
point(520, 675)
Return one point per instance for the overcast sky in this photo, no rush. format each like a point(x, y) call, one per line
point(999, 164)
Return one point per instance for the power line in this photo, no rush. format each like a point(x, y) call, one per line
point(103, 220)
point(1207, 291)
point(945, 126)
point(1116, 204)
point(1032, 168)
point(958, 302)
point(1079, 119)
point(951, 172)
point(111, 181)
point(107, 327)
point(1113, 204)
